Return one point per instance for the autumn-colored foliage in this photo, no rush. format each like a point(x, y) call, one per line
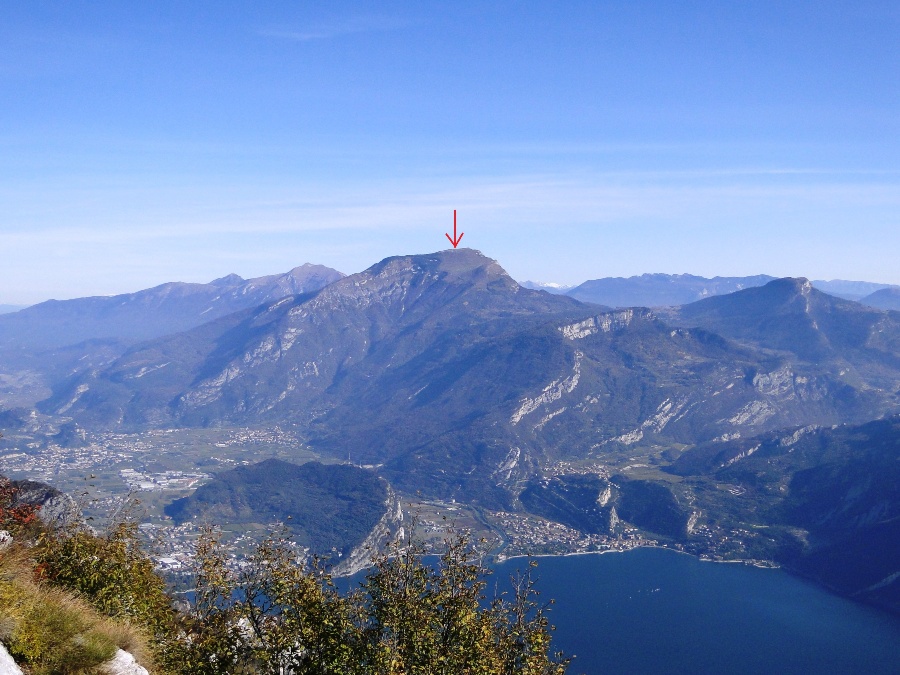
point(15, 517)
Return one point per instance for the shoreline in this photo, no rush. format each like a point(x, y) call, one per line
point(761, 564)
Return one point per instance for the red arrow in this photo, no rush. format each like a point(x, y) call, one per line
point(455, 241)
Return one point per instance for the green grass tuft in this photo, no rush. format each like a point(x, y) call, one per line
point(49, 631)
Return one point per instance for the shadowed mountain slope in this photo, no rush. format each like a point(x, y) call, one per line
point(836, 491)
point(886, 298)
point(324, 507)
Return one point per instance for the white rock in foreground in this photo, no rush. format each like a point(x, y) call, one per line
point(7, 665)
point(122, 663)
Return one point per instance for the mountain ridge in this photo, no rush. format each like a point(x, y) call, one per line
point(168, 308)
point(790, 314)
point(44, 345)
point(668, 290)
point(325, 507)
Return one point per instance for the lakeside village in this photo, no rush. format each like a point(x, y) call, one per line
point(521, 535)
point(161, 465)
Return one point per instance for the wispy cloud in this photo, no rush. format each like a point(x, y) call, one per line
point(338, 27)
point(108, 238)
point(84, 214)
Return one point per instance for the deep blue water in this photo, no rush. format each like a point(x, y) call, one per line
point(657, 611)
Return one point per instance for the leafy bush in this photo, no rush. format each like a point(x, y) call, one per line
point(110, 571)
point(433, 620)
point(275, 615)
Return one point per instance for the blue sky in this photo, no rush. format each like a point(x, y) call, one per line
point(149, 142)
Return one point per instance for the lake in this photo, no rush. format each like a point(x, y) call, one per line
point(658, 611)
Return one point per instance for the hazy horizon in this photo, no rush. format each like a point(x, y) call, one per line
point(7, 306)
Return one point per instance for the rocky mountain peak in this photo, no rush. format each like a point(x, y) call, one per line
point(791, 294)
point(795, 295)
point(452, 264)
point(227, 281)
point(791, 315)
point(404, 281)
point(789, 286)
point(309, 270)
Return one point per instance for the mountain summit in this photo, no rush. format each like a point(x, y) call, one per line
point(284, 355)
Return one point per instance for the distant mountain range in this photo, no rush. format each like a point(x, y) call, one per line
point(850, 290)
point(458, 383)
point(656, 290)
point(165, 309)
point(55, 340)
point(665, 290)
point(550, 287)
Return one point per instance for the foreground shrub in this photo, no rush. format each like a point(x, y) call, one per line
point(434, 620)
point(110, 571)
point(408, 618)
point(274, 615)
point(70, 599)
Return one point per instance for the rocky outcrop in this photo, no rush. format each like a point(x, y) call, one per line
point(123, 663)
point(57, 509)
